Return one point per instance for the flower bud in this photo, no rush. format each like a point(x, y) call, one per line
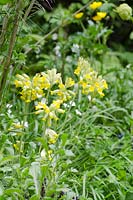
point(124, 11)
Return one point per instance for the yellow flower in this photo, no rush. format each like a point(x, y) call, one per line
point(63, 92)
point(91, 88)
point(42, 106)
point(17, 125)
point(52, 136)
point(95, 5)
point(105, 85)
point(83, 84)
point(49, 154)
point(61, 86)
point(69, 82)
point(49, 113)
point(57, 103)
point(77, 70)
point(45, 155)
point(79, 15)
point(100, 91)
point(18, 146)
point(89, 80)
point(99, 16)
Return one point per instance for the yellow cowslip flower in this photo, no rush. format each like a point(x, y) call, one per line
point(100, 91)
point(57, 103)
point(42, 106)
point(69, 82)
point(89, 80)
point(79, 15)
point(61, 86)
point(52, 76)
point(18, 145)
point(87, 77)
point(40, 81)
point(22, 80)
point(45, 155)
point(18, 125)
point(52, 136)
point(63, 92)
point(49, 113)
point(99, 16)
point(95, 5)
point(97, 85)
point(83, 84)
point(91, 88)
point(49, 154)
point(77, 71)
point(31, 88)
point(105, 85)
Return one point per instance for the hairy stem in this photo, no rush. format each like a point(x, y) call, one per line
point(7, 61)
point(4, 30)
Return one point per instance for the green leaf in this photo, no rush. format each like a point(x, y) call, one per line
point(35, 173)
point(1, 189)
point(3, 2)
point(34, 197)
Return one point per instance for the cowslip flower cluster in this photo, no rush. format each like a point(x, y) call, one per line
point(50, 93)
point(63, 92)
point(52, 136)
point(31, 88)
point(89, 81)
point(49, 112)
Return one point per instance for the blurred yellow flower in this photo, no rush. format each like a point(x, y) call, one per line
point(79, 15)
point(18, 146)
point(45, 155)
point(77, 71)
point(95, 5)
point(89, 81)
point(52, 136)
point(99, 16)
point(18, 125)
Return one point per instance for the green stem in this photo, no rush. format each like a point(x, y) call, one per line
point(4, 30)
point(7, 61)
point(25, 111)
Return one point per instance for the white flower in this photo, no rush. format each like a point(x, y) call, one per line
point(75, 49)
point(89, 97)
point(43, 154)
point(26, 124)
point(55, 36)
point(78, 112)
point(57, 51)
point(69, 59)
